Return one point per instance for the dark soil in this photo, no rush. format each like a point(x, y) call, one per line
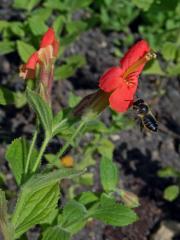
point(139, 154)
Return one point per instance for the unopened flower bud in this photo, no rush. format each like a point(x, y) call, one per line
point(129, 199)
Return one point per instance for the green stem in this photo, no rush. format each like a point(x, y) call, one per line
point(42, 149)
point(62, 150)
point(31, 150)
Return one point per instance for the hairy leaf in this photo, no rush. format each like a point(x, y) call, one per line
point(113, 213)
point(38, 199)
point(42, 110)
point(109, 174)
point(16, 155)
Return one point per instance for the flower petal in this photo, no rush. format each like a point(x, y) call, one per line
point(48, 38)
point(55, 48)
point(121, 99)
point(32, 61)
point(136, 52)
point(111, 79)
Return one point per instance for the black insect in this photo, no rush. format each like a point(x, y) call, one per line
point(144, 113)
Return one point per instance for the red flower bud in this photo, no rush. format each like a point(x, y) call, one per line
point(43, 60)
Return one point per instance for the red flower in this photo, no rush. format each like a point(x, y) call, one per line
point(121, 82)
point(27, 71)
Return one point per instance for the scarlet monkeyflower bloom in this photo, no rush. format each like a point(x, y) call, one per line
point(49, 42)
point(121, 82)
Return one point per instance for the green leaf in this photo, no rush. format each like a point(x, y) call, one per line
point(16, 155)
point(109, 174)
point(56, 233)
point(168, 172)
point(145, 5)
point(58, 24)
point(169, 50)
point(87, 197)
point(3, 25)
point(171, 192)
point(73, 216)
point(5, 227)
point(76, 26)
point(55, 4)
point(63, 72)
point(73, 100)
point(25, 4)
point(25, 50)
point(9, 97)
point(17, 28)
point(87, 179)
point(37, 29)
point(42, 13)
point(77, 4)
point(38, 200)
point(76, 60)
point(42, 110)
point(153, 68)
point(173, 69)
point(106, 148)
point(6, 47)
point(59, 123)
point(113, 213)
point(6, 96)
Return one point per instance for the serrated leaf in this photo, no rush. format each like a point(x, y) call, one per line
point(63, 72)
point(73, 216)
point(113, 213)
point(16, 155)
point(17, 28)
point(37, 29)
point(25, 50)
point(87, 197)
point(9, 97)
point(5, 227)
point(169, 50)
point(171, 192)
point(42, 110)
point(55, 4)
point(56, 233)
point(38, 199)
point(25, 4)
point(106, 148)
point(6, 47)
point(43, 13)
point(145, 5)
point(58, 24)
point(109, 174)
point(77, 4)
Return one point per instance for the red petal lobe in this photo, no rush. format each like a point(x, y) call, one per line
point(136, 52)
point(121, 99)
point(111, 79)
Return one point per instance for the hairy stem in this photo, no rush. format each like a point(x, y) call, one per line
point(31, 150)
point(65, 147)
point(41, 152)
